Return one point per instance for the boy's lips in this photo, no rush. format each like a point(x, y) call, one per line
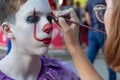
point(46, 40)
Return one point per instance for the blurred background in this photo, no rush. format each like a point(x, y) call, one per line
point(57, 48)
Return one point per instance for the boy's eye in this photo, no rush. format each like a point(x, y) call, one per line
point(33, 19)
point(49, 19)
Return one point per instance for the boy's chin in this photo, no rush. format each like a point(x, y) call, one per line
point(42, 51)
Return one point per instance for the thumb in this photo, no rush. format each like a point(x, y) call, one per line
point(63, 24)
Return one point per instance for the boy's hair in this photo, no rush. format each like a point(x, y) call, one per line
point(8, 8)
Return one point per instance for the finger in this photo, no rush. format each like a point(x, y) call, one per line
point(62, 13)
point(74, 16)
point(65, 12)
point(117, 69)
point(63, 24)
point(69, 14)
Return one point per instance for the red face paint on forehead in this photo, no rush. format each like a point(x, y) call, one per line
point(46, 40)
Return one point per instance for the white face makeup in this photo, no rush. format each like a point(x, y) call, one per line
point(32, 29)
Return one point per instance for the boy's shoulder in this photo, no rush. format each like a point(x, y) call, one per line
point(55, 63)
point(59, 68)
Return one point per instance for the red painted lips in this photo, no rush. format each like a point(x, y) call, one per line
point(46, 40)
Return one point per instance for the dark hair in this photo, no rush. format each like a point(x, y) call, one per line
point(78, 3)
point(8, 8)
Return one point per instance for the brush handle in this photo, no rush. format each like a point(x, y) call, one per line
point(56, 19)
point(85, 26)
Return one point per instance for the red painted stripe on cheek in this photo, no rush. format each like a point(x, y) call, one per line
point(46, 40)
point(35, 27)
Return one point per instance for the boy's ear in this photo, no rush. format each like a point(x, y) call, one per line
point(7, 30)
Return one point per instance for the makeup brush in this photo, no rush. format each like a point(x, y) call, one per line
point(56, 19)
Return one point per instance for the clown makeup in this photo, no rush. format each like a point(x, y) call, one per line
point(33, 25)
point(47, 28)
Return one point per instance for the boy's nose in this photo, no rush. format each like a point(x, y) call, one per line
point(47, 28)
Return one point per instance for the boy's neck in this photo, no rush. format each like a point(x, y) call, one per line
point(19, 66)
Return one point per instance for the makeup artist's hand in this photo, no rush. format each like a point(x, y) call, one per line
point(71, 30)
point(71, 37)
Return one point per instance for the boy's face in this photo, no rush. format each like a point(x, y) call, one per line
point(32, 29)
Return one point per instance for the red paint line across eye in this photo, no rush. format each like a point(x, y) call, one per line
point(35, 27)
point(46, 40)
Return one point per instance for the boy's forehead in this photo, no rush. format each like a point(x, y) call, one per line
point(39, 5)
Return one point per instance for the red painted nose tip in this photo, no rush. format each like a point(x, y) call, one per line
point(47, 28)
